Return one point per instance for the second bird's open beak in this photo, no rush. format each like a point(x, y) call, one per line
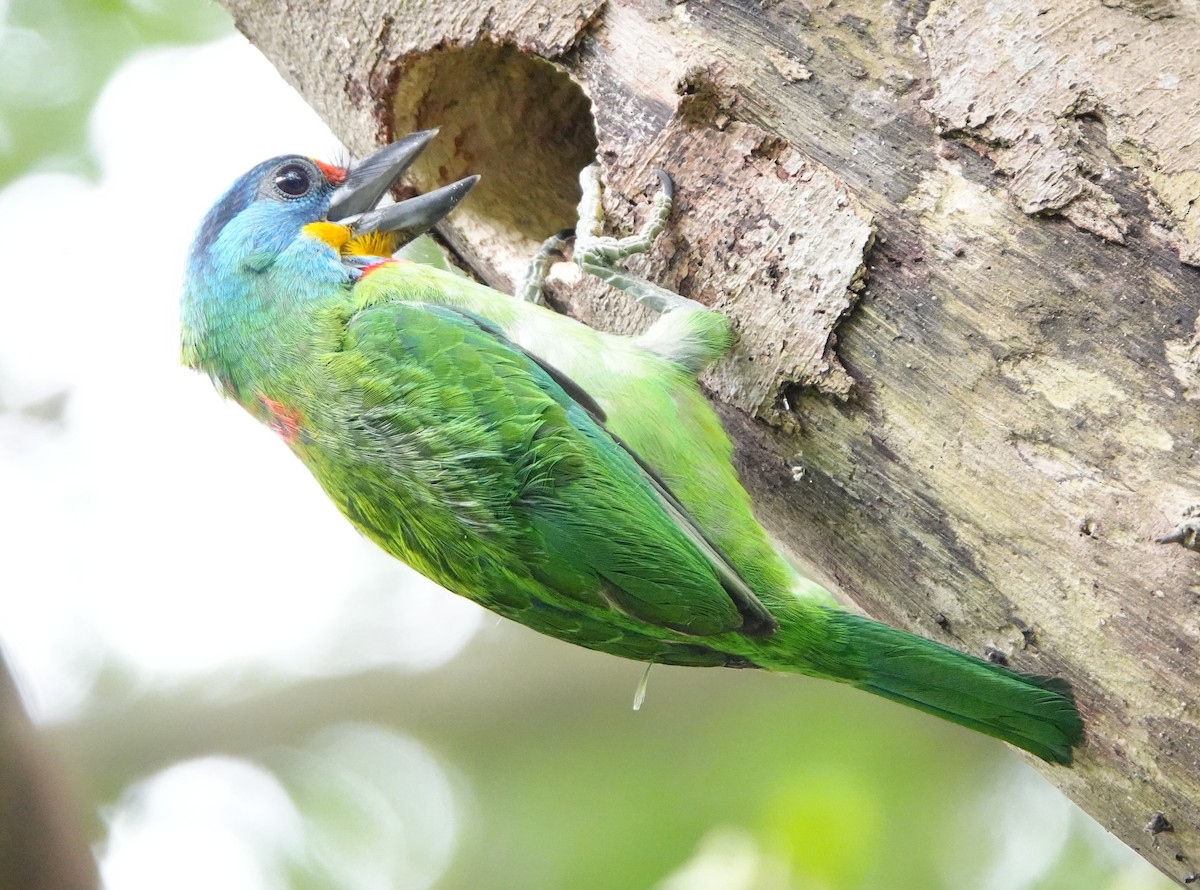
point(353, 202)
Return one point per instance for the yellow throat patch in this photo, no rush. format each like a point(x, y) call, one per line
point(371, 244)
point(331, 233)
point(341, 239)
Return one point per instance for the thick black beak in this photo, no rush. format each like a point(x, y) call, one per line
point(368, 180)
point(415, 216)
point(353, 202)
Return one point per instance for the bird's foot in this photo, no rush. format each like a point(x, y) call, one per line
point(529, 288)
point(687, 332)
point(1187, 532)
point(599, 254)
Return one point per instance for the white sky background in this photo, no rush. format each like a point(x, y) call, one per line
point(156, 526)
point(155, 523)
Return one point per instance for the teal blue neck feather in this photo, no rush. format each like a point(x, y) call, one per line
point(252, 276)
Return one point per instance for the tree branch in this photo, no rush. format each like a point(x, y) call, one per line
point(42, 846)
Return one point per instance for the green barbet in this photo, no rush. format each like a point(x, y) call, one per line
point(568, 479)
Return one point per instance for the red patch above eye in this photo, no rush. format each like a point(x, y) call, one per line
point(335, 175)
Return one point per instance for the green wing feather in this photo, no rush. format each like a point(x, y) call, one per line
point(490, 448)
point(1035, 713)
point(641, 392)
point(699, 492)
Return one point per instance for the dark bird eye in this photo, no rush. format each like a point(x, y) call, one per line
point(293, 181)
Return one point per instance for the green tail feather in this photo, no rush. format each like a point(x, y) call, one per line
point(1032, 712)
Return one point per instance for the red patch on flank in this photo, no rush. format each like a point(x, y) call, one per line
point(371, 267)
point(335, 175)
point(282, 419)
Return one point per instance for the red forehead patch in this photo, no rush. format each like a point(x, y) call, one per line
point(335, 175)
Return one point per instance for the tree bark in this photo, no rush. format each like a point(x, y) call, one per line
point(958, 243)
point(42, 842)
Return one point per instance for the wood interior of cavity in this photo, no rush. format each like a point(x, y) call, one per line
point(518, 121)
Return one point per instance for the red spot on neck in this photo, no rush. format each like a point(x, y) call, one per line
point(371, 267)
point(335, 175)
point(282, 419)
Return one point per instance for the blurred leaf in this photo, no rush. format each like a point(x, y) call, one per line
point(59, 54)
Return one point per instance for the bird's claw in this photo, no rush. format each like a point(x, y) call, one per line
point(599, 254)
point(1187, 532)
point(529, 288)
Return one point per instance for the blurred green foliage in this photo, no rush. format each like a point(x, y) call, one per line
point(729, 780)
point(58, 54)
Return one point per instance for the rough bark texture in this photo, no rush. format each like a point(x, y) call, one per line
point(958, 242)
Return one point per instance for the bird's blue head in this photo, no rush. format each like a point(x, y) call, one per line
point(264, 211)
point(286, 228)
